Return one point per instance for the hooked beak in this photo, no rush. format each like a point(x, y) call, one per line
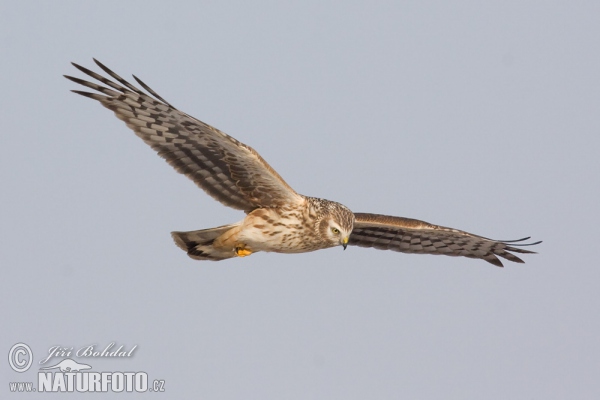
point(345, 242)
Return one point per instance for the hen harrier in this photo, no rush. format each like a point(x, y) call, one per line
point(278, 219)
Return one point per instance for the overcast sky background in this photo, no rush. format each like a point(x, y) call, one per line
point(483, 116)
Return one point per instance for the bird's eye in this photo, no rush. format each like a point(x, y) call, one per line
point(335, 230)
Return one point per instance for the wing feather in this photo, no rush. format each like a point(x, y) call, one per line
point(228, 170)
point(414, 236)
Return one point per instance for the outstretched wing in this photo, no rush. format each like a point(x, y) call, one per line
point(228, 170)
point(413, 236)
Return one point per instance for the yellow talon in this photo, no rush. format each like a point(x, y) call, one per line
point(240, 251)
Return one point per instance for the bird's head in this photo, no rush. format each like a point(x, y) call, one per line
point(337, 224)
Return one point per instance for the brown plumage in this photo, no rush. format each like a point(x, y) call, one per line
point(278, 219)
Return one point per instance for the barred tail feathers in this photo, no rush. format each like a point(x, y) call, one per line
point(199, 244)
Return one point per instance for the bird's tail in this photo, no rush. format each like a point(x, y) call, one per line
point(199, 244)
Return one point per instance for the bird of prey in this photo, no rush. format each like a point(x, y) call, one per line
point(277, 218)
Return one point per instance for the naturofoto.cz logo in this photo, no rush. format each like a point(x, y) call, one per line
point(69, 375)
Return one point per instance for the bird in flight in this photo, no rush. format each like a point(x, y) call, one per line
point(277, 218)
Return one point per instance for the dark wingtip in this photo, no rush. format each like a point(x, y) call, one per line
point(76, 80)
point(524, 244)
point(81, 92)
point(515, 259)
point(104, 67)
point(94, 96)
point(83, 69)
point(516, 242)
point(152, 92)
point(492, 259)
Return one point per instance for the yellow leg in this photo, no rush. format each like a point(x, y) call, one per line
point(242, 251)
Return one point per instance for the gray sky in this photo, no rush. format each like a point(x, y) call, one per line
point(483, 117)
